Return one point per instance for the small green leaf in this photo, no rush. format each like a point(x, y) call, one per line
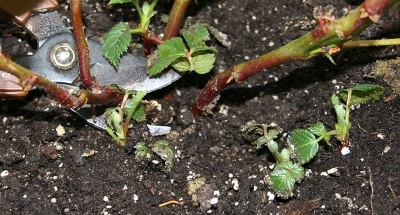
point(272, 146)
point(142, 151)
point(122, 1)
point(273, 131)
point(116, 42)
point(140, 114)
point(339, 109)
point(221, 37)
point(131, 105)
point(182, 64)
point(200, 31)
point(168, 52)
point(363, 93)
point(117, 88)
point(305, 144)
point(114, 125)
point(284, 176)
point(148, 12)
point(161, 64)
point(172, 47)
point(194, 42)
point(285, 154)
point(329, 57)
point(162, 149)
point(203, 62)
point(318, 129)
point(260, 141)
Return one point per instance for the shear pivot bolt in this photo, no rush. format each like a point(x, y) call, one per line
point(63, 56)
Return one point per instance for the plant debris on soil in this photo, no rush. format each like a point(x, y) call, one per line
point(52, 162)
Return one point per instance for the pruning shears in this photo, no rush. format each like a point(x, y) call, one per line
point(56, 58)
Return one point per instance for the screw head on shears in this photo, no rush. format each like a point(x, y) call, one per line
point(63, 56)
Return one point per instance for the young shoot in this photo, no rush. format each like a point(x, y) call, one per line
point(289, 168)
point(117, 40)
point(119, 118)
point(161, 148)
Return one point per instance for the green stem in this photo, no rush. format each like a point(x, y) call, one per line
point(137, 31)
point(321, 40)
point(138, 9)
point(368, 43)
point(329, 133)
point(175, 19)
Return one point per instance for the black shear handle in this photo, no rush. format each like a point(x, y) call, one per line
point(21, 10)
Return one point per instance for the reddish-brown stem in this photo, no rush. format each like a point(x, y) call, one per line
point(155, 39)
point(175, 19)
point(147, 43)
point(328, 35)
point(69, 98)
point(81, 44)
point(238, 73)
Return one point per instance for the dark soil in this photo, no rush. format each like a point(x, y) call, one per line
point(47, 173)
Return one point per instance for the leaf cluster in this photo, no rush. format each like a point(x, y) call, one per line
point(160, 148)
point(190, 54)
point(116, 41)
point(289, 168)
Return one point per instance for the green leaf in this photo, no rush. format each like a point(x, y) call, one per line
point(116, 42)
point(194, 42)
point(285, 154)
point(339, 109)
point(272, 145)
point(161, 64)
point(148, 10)
point(203, 62)
point(131, 105)
point(117, 88)
point(273, 131)
point(200, 31)
point(168, 52)
point(172, 47)
point(142, 151)
point(363, 93)
point(260, 141)
point(122, 1)
point(329, 57)
point(114, 123)
point(305, 144)
point(162, 149)
point(284, 176)
point(138, 111)
point(221, 37)
point(318, 129)
point(140, 114)
point(182, 64)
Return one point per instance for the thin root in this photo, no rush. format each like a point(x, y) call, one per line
point(371, 198)
point(170, 202)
